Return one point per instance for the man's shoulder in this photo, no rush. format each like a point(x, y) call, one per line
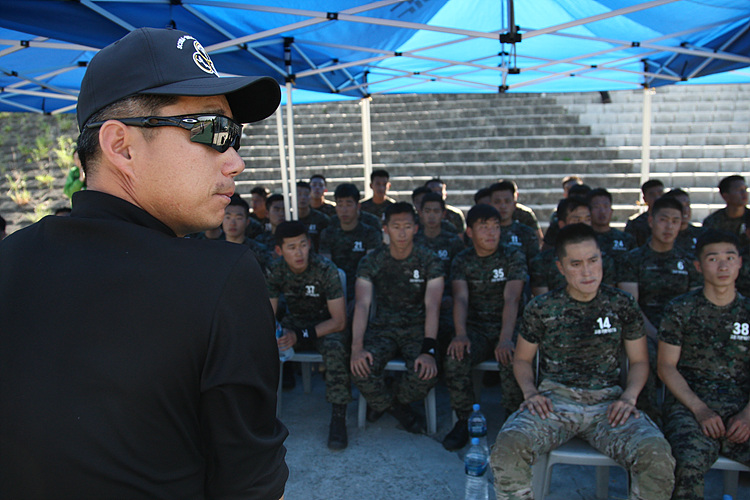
point(715, 217)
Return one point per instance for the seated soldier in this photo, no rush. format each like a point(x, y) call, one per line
point(513, 233)
point(525, 215)
point(580, 332)
point(689, 233)
point(733, 191)
point(654, 274)
point(611, 241)
point(416, 200)
point(569, 182)
point(380, 184)
point(452, 214)
point(346, 242)
point(487, 282)
point(316, 317)
point(258, 196)
point(406, 283)
point(704, 348)
point(544, 271)
point(234, 225)
point(315, 221)
point(276, 215)
point(638, 225)
point(483, 196)
point(317, 196)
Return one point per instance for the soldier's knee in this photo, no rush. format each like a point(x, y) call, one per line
point(655, 452)
point(511, 447)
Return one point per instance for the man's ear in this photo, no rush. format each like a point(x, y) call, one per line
point(277, 249)
point(115, 142)
point(697, 264)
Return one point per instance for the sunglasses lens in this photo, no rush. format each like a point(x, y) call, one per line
point(219, 132)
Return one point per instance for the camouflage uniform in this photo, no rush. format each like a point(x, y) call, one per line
point(551, 235)
point(736, 226)
point(615, 243)
point(446, 245)
point(580, 351)
point(638, 227)
point(365, 218)
point(661, 276)
point(522, 237)
point(544, 271)
point(254, 228)
point(715, 362)
point(316, 222)
point(399, 323)
point(526, 216)
point(455, 217)
point(264, 222)
point(486, 278)
point(378, 210)
point(307, 295)
point(262, 253)
point(347, 248)
point(743, 280)
point(688, 237)
point(328, 208)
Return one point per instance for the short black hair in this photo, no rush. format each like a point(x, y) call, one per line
point(481, 212)
point(726, 183)
point(260, 191)
point(579, 190)
point(289, 229)
point(273, 199)
point(304, 185)
point(503, 186)
point(347, 190)
point(710, 236)
point(432, 197)
point(381, 172)
point(400, 207)
point(651, 183)
point(435, 179)
point(237, 201)
point(666, 202)
point(318, 176)
point(63, 210)
point(569, 178)
point(594, 193)
point(482, 193)
point(675, 192)
point(418, 191)
point(571, 234)
point(568, 205)
point(2, 223)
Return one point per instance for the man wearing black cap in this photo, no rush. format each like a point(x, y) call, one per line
point(146, 367)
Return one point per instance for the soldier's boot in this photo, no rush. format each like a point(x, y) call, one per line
point(458, 436)
point(406, 416)
point(337, 438)
point(372, 414)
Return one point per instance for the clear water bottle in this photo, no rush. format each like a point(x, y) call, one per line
point(286, 354)
point(478, 427)
point(475, 465)
point(727, 497)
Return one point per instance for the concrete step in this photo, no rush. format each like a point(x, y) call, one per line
point(689, 151)
point(676, 139)
point(711, 127)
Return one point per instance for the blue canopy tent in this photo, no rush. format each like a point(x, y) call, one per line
point(355, 49)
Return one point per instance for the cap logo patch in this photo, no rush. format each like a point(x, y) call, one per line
point(200, 56)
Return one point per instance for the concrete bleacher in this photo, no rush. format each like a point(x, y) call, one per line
point(699, 135)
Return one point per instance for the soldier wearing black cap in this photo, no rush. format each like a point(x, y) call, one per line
point(145, 367)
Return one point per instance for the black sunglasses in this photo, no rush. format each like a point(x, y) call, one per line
point(216, 131)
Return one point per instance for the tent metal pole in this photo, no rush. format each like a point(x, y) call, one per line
point(646, 135)
point(290, 150)
point(282, 160)
point(364, 104)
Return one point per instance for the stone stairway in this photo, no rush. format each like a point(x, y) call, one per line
point(699, 134)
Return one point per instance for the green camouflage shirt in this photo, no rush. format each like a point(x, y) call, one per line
point(262, 253)
point(661, 276)
point(347, 248)
point(328, 208)
point(446, 245)
point(316, 222)
point(365, 218)
point(307, 294)
point(378, 210)
point(615, 242)
point(455, 217)
point(715, 344)
point(399, 285)
point(581, 343)
point(639, 229)
point(743, 280)
point(687, 238)
point(719, 220)
point(544, 271)
point(526, 216)
point(521, 237)
point(486, 278)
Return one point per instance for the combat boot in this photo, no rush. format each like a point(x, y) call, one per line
point(337, 438)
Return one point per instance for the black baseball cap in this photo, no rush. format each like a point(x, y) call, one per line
point(169, 62)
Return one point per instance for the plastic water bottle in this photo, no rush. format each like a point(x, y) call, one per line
point(286, 354)
point(475, 465)
point(727, 497)
point(478, 427)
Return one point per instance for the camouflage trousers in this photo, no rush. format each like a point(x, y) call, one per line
point(335, 349)
point(695, 452)
point(648, 401)
point(385, 345)
point(458, 374)
point(637, 445)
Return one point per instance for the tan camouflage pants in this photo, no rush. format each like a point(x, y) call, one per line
point(637, 445)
